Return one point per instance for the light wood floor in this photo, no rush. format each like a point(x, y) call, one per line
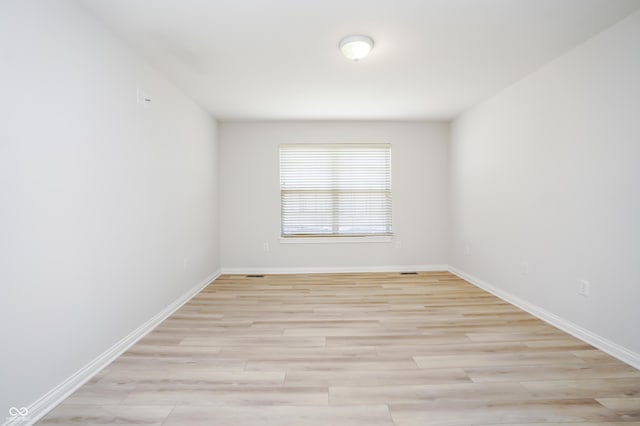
point(355, 349)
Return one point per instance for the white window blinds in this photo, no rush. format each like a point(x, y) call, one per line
point(335, 189)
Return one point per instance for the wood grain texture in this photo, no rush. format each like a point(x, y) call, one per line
point(355, 349)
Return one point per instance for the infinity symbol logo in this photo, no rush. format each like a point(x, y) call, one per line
point(15, 411)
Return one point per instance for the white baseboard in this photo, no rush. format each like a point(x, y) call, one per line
point(332, 270)
point(55, 396)
point(623, 354)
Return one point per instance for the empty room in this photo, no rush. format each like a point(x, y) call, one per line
point(409, 212)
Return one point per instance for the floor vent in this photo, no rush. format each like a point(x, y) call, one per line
point(255, 276)
point(408, 273)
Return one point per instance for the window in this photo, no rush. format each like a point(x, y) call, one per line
point(335, 190)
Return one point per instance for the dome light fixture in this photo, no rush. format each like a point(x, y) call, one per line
point(356, 47)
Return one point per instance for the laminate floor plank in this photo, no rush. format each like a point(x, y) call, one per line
point(333, 364)
point(497, 359)
point(100, 415)
point(417, 394)
point(588, 388)
point(281, 352)
point(374, 349)
point(180, 378)
point(363, 378)
point(227, 395)
point(377, 415)
point(504, 412)
point(551, 372)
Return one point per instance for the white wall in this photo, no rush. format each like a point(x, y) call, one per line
point(250, 196)
point(101, 199)
point(545, 187)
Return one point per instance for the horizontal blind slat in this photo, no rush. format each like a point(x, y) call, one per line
point(335, 189)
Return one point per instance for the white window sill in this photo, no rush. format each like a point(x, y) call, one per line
point(331, 240)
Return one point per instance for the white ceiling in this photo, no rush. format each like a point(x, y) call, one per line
point(279, 59)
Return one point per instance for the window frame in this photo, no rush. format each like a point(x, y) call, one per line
point(380, 193)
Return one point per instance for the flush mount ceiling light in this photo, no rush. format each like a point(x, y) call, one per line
point(356, 47)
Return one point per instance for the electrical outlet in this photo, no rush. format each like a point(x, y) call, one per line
point(524, 269)
point(185, 263)
point(584, 288)
point(398, 244)
point(265, 246)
